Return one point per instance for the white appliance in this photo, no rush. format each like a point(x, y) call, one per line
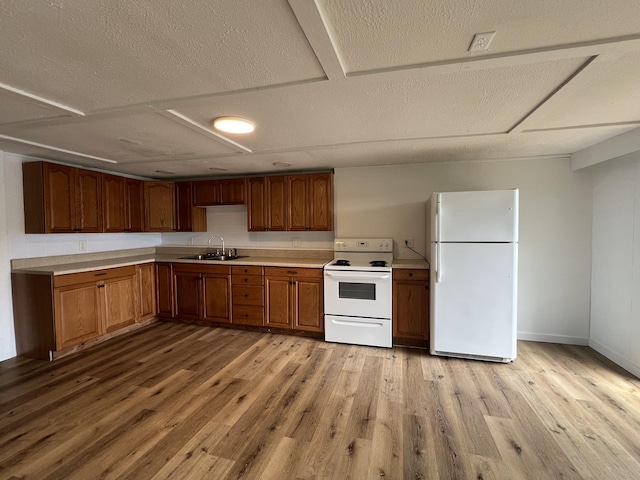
point(474, 269)
point(357, 292)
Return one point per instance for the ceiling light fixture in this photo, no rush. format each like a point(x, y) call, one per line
point(233, 125)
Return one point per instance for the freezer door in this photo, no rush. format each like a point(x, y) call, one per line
point(487, 216)
point(473, 302)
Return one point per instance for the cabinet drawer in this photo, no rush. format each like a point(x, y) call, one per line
point(293, 272)
point(248, 295)
point(410, 274)
point(246, 270)
point(93, 276)
point(248, 315)
point(247, 279)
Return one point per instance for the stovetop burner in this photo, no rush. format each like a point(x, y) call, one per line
point(378, 263)
point(342, 263)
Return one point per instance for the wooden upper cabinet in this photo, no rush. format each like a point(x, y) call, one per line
point(113, 196)
point(320, 200)
point(159, 204)
point(267, 203)
point(256, 204)
point(61, 199)
point(276, 196)
point(188, 217)
point(133, 205)
point(298, 202)
point(230, 191)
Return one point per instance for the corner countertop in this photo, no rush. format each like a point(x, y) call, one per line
point(67, 264)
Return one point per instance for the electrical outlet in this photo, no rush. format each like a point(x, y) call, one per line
point(190, 240)
point(295, 242)
point(408, 242)
point(481, 41)
point(82, 246)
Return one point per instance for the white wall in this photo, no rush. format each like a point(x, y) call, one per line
point(230, 222)
point(555, 228)
point(555, 231)
point(7, 338)
point(615, 290)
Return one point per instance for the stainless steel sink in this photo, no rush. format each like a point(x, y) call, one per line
point(210, 256)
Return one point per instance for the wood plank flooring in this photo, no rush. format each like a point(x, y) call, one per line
point(175, 401)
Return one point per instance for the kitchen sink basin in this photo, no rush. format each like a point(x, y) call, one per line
point(209, 256)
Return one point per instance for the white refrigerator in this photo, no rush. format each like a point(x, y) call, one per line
point(474, 274)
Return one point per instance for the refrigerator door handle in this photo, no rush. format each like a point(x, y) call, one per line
point(438, 264)
point(437, 226)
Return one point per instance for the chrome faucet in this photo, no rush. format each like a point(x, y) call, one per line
point(221, 239)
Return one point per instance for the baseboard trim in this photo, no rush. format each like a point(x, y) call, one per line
point(616, 358)
point(564, 339)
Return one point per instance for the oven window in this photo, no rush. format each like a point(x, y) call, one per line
point(359, 291)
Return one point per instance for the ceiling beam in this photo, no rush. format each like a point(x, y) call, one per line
point(40, 101)
point(314, 26)
point(618, 146)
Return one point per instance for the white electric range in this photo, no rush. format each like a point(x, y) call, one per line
point(357, 292)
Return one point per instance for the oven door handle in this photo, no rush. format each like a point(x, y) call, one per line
point(358, 275)
point(368, 323)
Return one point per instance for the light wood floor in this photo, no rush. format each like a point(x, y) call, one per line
point(189, 402)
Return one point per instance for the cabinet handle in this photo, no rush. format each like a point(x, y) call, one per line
point(411, 274)
point(100, 274)
point(101, 286)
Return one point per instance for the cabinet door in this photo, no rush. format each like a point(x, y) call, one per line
point(320, 201)
point(308, 305)
point(279, 294)
point(164, 290)
point(217, 298)
point(88, 201)
point(187, 287)
point(59, 198)
point(411, 306)
point(206, 193)
point(146, 291)
point(257, 206)
point(113, 203)
point(298, 202)
point(159, 206)
point(77, 314)
point(188, 217)
point(118, 302)
point(233, 191)
point(276, 194)
point(134, 205)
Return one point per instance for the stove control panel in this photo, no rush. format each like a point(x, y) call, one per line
point(363, 245)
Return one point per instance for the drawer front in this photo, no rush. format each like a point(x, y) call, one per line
point(248, 295)
point(246, 270)
point(410, 274)
point(247, 279)
point(93, 276)
point(248, 315)
point(293, 272)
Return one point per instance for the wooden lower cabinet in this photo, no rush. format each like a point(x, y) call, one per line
point(294, 298)
point(55, 312)
point(411, 307)
point(164, 290)
point(202, 292)
point(146, 289)
point(247, 284)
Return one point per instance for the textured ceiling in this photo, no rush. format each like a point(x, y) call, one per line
point(328, 83)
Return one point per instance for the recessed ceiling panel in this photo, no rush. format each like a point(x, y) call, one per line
point(362, 110)
point(610, 96)
point(99, 54)
point(371, 35)
point(135, 137)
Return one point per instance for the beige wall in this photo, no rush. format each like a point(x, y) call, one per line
point(555, 231)
point(555, 228)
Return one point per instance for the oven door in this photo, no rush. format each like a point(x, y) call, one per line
point(357, 294)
